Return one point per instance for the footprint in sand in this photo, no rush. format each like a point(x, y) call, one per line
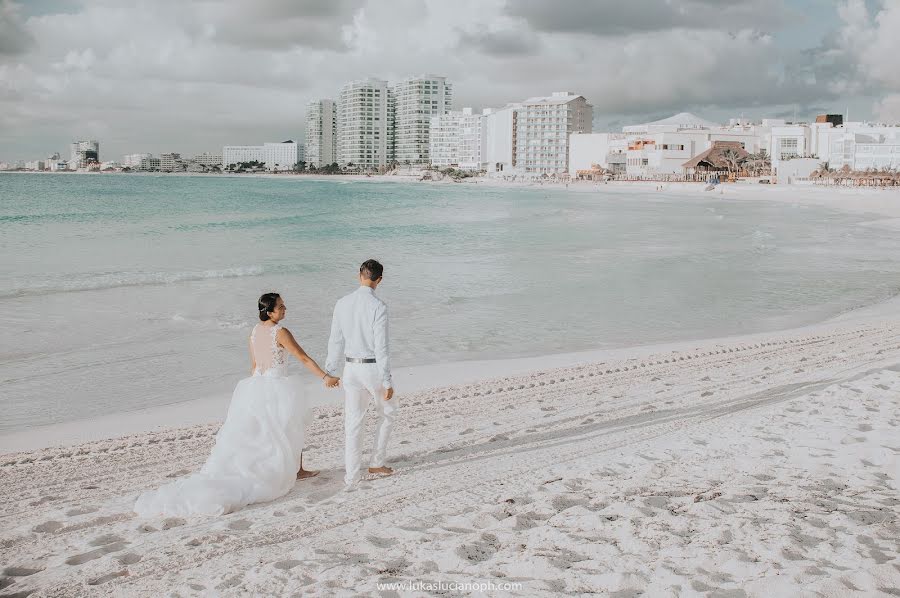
point(81, 511)
point(48, 527)
point(22, 571)
point(44, 499)
point(287, 565)
point(80, 559)
point(173, 522)
point(129, 558)
point(381, 542)
point(561, 503)
point(105, 578)
point(106, 540)
point(480, 551)
point(467, 431)
point(240, 525)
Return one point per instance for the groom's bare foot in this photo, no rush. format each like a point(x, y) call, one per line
point(381, 470)
point(306, 473)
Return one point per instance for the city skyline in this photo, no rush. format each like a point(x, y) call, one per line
point(209, 74)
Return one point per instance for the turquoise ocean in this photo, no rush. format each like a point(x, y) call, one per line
point(121, 292)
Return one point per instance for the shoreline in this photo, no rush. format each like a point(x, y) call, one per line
point(410, 380)
point(860, 200)
point(419, 378)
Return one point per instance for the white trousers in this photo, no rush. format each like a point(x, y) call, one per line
point(361, 381)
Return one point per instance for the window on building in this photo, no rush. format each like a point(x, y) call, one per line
point(787, 148)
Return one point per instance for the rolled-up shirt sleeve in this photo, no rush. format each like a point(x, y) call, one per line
point(335, 345)
point(382, 353)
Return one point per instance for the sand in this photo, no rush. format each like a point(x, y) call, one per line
point(763, 469)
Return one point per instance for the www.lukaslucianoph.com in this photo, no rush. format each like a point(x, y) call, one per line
point(452, 586)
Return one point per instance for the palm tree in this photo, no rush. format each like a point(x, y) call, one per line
point(732, 159)
point(759, 163)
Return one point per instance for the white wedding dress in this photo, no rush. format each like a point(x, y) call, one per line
point(257, 451)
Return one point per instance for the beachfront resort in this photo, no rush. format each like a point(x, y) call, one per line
point(377, 127)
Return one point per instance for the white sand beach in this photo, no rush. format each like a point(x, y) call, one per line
point(760, 465)
point(760, 468)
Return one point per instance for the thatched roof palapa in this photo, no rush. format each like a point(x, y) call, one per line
point(713, 159)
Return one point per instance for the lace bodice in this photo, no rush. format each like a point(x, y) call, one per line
point(267, 353)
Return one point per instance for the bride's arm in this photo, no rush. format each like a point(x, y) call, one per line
point(286, 340)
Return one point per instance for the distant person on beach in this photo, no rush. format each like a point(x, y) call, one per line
point(257, 456)
point(359, 340)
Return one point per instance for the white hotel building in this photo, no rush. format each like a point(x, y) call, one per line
point(321, 133)
point(365, 124)
point(500, 136)
point(458, 140)
point(84, 152)
point(795, 149)
point(275, 156)
point(444, 140)
point(856, 145)
point(134, 160)
point(662, 147)
point(472, 141)
point(543, 127)
point(208, 159)
point(416, 101)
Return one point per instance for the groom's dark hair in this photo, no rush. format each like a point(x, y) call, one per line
point(371, 269)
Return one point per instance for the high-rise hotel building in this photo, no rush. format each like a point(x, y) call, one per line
point(458, 140)
point(321, 133)
point(84, 152)
point(544, 125)
point(365, 124)
point(417, 100)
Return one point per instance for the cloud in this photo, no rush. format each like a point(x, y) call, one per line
point(869, 40)
point(499, 41)
point(165, 75)
point(614, 17)
point(283, 24)
point(14, 39)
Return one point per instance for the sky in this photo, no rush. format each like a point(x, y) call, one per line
point(191, 76)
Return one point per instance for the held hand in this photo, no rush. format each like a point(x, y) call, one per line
point(388, 394)
point(331, 381)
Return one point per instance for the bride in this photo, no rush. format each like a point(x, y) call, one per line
point(257, 453)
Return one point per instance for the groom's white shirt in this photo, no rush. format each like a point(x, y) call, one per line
point(359, 328)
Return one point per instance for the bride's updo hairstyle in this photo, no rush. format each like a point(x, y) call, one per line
point(267, 303)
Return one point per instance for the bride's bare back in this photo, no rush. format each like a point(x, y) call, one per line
point(266, 351)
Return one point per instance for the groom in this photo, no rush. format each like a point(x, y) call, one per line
point(359, 336)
